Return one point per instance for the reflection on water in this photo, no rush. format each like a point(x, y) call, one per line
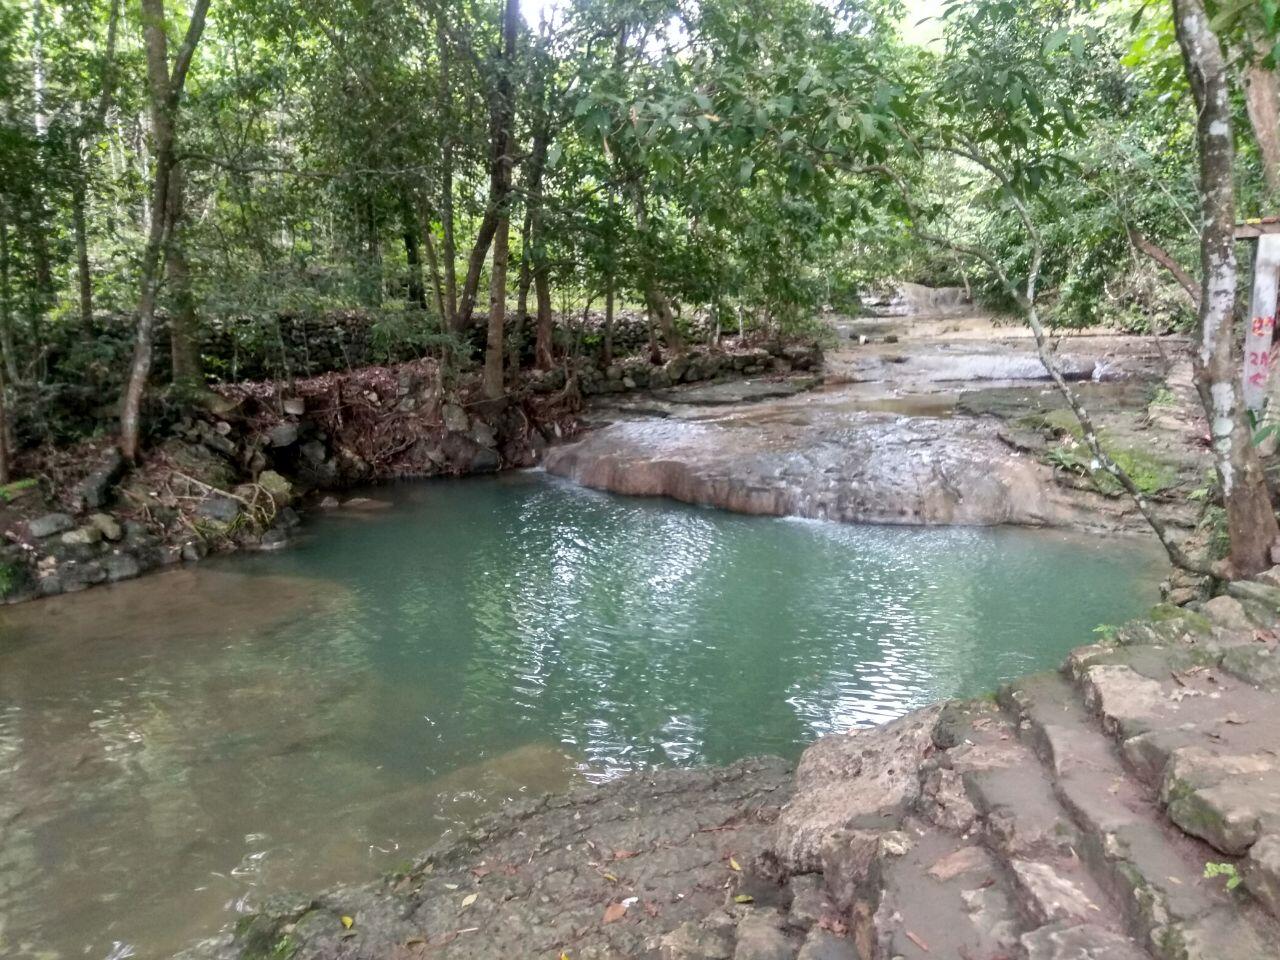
point(173, 746)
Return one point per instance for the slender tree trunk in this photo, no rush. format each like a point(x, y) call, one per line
point(184, 348)
point(433, 265)
point(84, 278)
point(6, 316)
point(165, 91)
point(446, 187)
point(544, 355)
point(1262, 98)
point(500, 206)
point(526, 265)
point(1250, 519)
point(495, 342)
point(608, 320)
point(4, 434)
point(658, 304)
point(416, 292)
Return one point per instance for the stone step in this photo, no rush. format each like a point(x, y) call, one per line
point(1153, 872)
point(1022, 822)
point(934, 894)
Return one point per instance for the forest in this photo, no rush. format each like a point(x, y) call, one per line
point(492, 186)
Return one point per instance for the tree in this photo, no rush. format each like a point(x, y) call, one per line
point(165, 85)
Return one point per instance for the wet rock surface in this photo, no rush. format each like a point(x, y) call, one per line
point(1044, 824)
point(950, 422)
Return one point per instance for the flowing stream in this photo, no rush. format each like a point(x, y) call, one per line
point(175, 747)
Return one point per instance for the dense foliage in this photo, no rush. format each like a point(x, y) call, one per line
point(750, 162)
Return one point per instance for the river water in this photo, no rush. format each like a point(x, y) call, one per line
point(175, 747)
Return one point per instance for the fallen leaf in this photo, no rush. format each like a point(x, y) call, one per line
point(469, 899)
point(917, 941)
point(651, 908)
point(481, 872)
point(347, 923)
point(734, 865)
point(744, 898)
point(614, 912)
point(610, 877)
point(625, 854)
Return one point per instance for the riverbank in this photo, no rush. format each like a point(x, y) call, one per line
point(239, 474)
point(1126, 807)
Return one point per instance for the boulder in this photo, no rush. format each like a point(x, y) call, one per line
point(108, 526)
point(856, 781)
point(49, 524)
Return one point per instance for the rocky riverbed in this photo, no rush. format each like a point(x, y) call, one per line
point(1126, 807)
point(932, 422)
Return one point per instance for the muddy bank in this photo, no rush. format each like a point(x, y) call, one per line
point(1070, 817)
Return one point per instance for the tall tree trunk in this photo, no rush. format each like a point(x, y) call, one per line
point(543, 353)
point(608, 320)
point(6, 316)
point(526, 264)
point(446, 187)
point(1262, 98)
point(659, 306)
point(184, 348)
point(1250, 520)
point(433, 265)
point(4, 434)
point(416, 292)
point(494, 343)
point(500, 205)
point(84, 279)
point(165, 93)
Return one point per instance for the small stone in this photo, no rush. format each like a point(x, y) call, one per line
point(220, 508)
point(49, 586)
point(49, 524)
point(1227, 612)
point(329, 502)
point(108, 525)
point(294, 406)
point(313, 451)
point(82, 536)
point(278, 488)
point(1261, 872)
point(121, 566)
point(689, 941)
point(194, 550)
point(825, 945)
point(1047, 896)
point(273, 539)
point(760, 937)
point(283, 434)
point(455, 418)
point(483, 434)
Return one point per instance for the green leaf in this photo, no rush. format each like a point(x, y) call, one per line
point(553, 155)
